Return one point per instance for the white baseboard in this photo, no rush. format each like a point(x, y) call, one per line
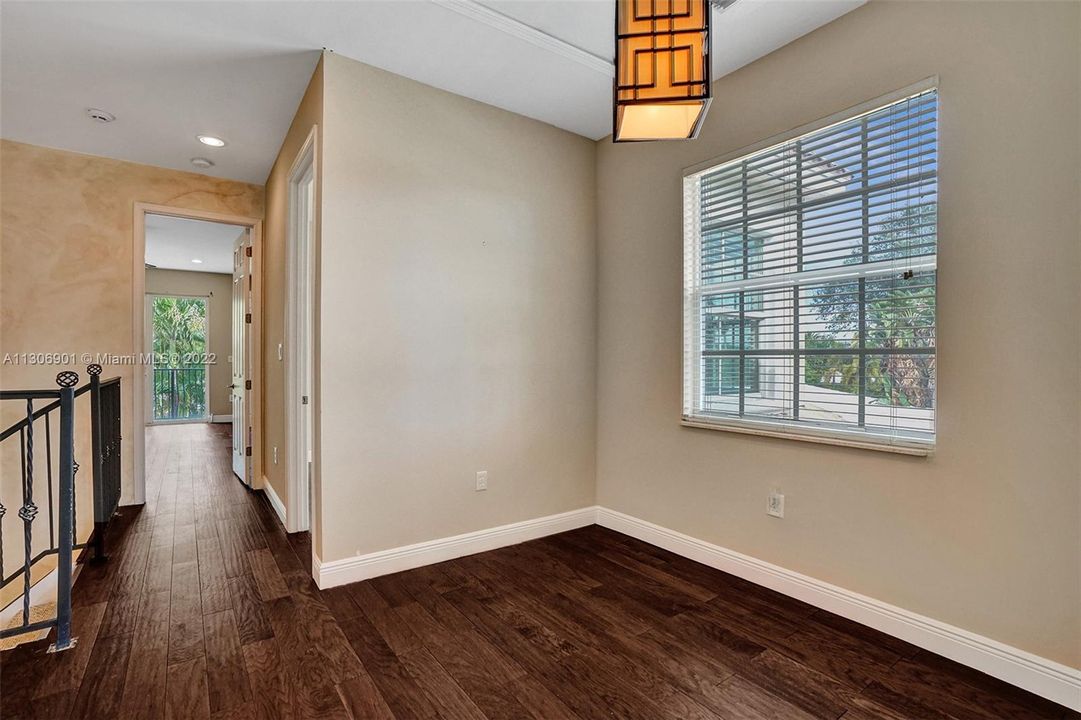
point(1038, 675)
point(354, 569)
point(275, 501)
point(221, 418)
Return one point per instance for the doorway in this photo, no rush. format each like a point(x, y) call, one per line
point(197, 292)
point(300, 390)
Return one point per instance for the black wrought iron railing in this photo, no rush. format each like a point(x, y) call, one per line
point(59, 492)
point(180, 393)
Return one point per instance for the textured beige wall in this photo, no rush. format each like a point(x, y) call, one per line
point(986, 534)
point(220, 289)
point(309, 114)
point(457, 299)
point(66, 256)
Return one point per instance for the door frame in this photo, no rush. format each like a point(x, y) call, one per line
point(255, 399)
point(148, 322)
point(300, 339)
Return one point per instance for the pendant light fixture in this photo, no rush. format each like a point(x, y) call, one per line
point(662, 87)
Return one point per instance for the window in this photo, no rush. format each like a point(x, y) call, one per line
point(810, 283)
point(721, 374)
point(178, 379)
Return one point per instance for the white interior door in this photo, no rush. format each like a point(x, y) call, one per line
point(240, 386)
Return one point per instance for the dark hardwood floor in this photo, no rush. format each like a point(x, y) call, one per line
point(206, 610)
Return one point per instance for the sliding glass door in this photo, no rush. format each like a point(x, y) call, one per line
point(178, 329)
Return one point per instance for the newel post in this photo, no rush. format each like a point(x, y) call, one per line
point(67, 381)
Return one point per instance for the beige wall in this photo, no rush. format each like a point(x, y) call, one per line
point(66, 255)
point(985, 534)
point(219, 288)
point(457, 306)
point(470, 259)
point(309, 114)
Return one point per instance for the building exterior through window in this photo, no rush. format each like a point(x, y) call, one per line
point(810, 281)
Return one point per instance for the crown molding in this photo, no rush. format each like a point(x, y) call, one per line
point(506, 24)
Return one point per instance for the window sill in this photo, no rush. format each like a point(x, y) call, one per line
point(821, 438)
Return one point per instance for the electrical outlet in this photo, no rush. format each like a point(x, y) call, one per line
point(482, 480)
point(275, 454)
point(775, 504)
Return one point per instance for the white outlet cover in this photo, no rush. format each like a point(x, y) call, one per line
point(775, 505)
point(482, 480)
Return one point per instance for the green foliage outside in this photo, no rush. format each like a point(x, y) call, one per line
point(179, 333)
point(899, 314)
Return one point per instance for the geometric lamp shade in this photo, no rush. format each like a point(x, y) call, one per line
point(662, 87)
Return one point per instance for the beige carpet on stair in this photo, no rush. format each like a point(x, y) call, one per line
point(37, 613)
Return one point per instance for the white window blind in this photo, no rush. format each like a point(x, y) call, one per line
point(810, 282)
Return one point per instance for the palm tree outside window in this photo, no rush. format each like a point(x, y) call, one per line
point(179, 342)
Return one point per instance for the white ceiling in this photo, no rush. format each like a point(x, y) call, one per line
point(171, 70)
point(172, 243)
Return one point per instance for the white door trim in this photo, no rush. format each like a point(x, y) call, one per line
point(299, 327)
point(138, 338)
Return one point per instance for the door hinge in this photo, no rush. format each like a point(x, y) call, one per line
point(247, 384)
point(303, 399)
point(247, 251)
point(247, 451)
point(247, 318)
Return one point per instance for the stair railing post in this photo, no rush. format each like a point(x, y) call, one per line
point(100, 522)
point(67, 381)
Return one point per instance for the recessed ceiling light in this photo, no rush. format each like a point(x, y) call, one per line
point(197, 261)
point(101, 116)
point(211, 140)
point(202, 163)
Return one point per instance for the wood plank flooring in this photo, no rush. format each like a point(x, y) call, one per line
point(206, 610)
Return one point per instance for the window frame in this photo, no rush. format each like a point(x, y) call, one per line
point(693, 374)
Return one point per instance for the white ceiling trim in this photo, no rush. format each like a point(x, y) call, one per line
point(497, 20)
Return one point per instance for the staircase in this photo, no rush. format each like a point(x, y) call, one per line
point(38, 523)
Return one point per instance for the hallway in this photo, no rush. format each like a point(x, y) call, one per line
point(187, 605)
point(206, 610)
